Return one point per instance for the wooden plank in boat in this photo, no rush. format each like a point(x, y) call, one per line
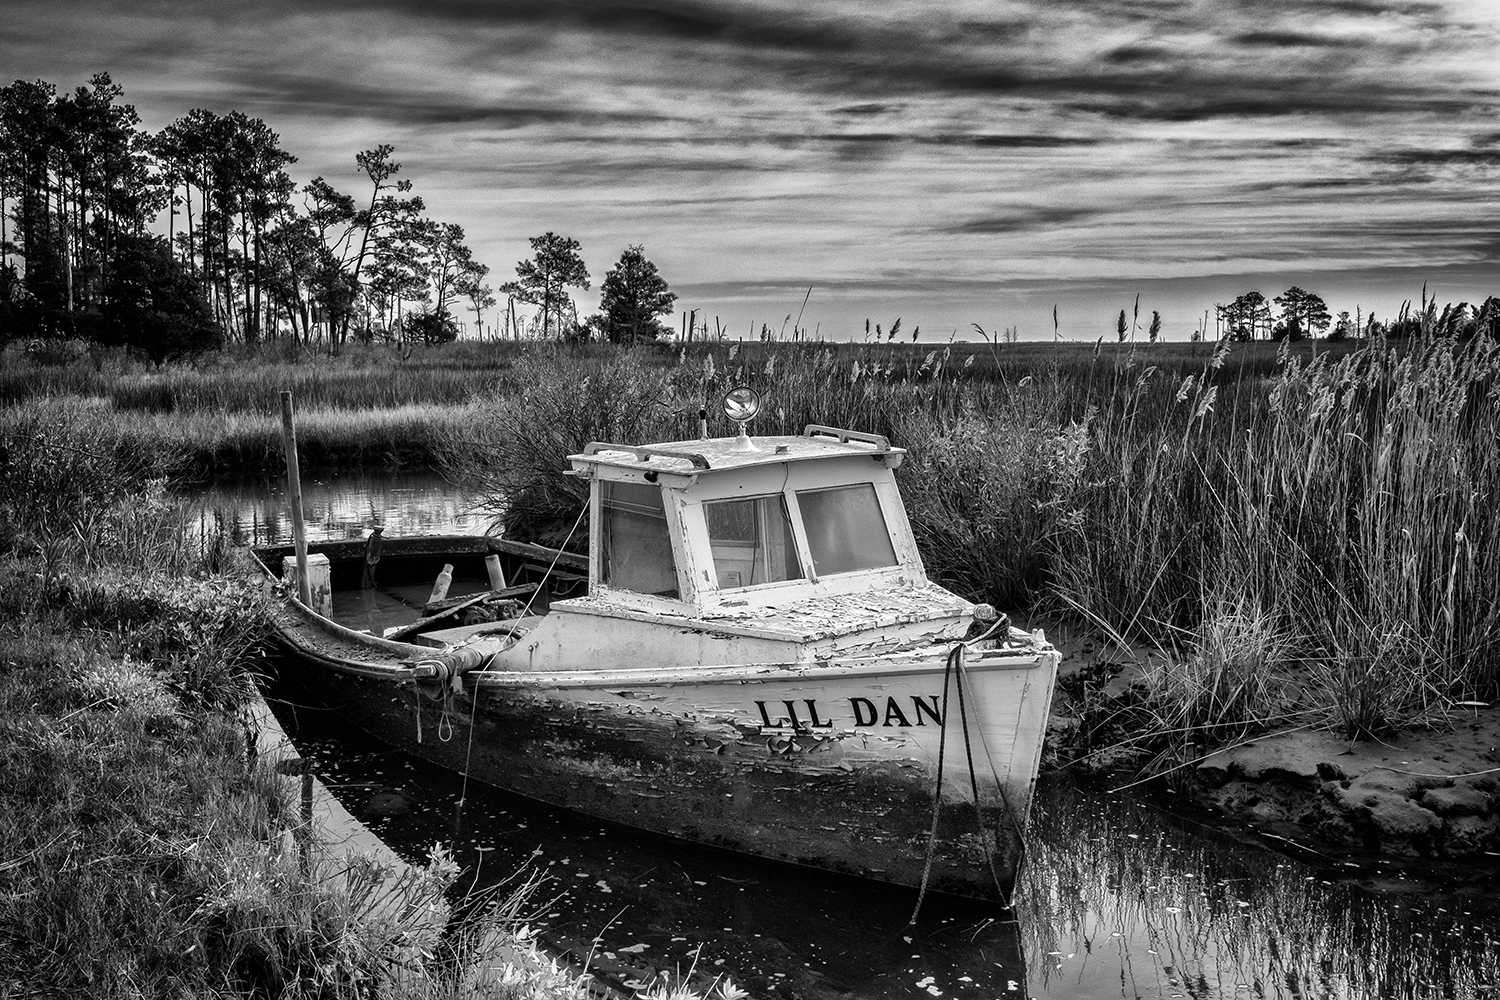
point(393, 547)
point(540, 553)
point(509, 595)
point(453, 603)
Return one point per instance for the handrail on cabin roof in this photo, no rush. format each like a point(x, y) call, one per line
point(880, 441)
point(646, 454)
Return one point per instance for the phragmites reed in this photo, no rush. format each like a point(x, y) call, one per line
point(1346, 503)
point(1319, 526)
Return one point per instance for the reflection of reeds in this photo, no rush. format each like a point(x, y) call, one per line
point(1104, 907)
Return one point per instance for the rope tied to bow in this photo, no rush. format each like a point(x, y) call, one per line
point(953, 671)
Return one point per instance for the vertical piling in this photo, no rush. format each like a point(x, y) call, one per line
point(294, 493)
point(299, 767)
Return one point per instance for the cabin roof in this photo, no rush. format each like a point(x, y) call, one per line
point(718, 454)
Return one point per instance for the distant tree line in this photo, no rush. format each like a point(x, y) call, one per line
point(177, 242)
point(1304, 314)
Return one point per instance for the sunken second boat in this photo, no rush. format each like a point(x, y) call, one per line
point(759, 663)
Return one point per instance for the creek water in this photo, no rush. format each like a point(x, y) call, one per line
point(1121, 896)
point(335, 506)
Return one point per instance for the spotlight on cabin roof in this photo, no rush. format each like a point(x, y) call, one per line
point(741, 404)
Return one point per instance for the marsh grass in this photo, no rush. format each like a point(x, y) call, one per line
point(367, 408)
point(1291, 529)
point(1171, 492)
point(75, 490)
point(1345, 505)
point(204, 445)
point(149, 852)
point(246, 380)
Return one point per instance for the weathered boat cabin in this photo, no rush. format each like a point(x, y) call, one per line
point(777, 550)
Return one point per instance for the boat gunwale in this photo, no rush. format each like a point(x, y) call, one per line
point(751, 673)
point(887, 665)
point(893, 664)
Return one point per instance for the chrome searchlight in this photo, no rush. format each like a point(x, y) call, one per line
point(741, 404)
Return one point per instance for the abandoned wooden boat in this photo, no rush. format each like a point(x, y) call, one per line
point(751, 657)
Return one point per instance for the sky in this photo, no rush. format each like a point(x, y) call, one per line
point(948, 163)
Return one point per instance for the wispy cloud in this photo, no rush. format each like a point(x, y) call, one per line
point(946, 144)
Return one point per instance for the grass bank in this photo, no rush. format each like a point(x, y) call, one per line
point(221, 417)
point(148, 853)
point(374, 407)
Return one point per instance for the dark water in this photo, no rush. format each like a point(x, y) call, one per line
point(1119, 899)
point(343, 505)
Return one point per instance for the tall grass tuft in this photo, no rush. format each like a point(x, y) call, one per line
point(74, 489)
point(1347, 504)
point(513, 452)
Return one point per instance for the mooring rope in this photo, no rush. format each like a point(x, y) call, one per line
point(955, 668)
point(963, 717)
point(937, 793)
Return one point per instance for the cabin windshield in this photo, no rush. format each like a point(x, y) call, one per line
point(636, 546)
point(751, 541)
point(845, 529)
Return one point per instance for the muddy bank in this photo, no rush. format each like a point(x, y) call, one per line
point(1425, 793)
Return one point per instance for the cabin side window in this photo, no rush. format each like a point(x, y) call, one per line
point(751, 541)
point(845, 529)
point(636, 544)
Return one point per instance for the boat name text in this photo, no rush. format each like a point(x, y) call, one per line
point(867, 712)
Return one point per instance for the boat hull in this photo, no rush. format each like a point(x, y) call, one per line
point(833, 765)
point(832, 762)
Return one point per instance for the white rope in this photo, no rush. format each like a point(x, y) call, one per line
point(463, 793)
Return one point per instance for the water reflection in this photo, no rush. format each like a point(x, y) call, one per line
point(1122, 900)
point(1119, 900)
point(338, 505)
point(642, 907)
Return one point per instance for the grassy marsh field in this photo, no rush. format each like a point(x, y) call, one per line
point(1304, 524)
point(1301, 532)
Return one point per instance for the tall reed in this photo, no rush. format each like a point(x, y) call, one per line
point(1346, 506)
point(1318, 534)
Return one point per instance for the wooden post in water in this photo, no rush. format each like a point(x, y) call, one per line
point(295, 766)
point(294, 491)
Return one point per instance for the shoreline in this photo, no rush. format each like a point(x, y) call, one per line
point(1428, 792)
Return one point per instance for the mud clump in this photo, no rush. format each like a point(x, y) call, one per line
point(1431, 794)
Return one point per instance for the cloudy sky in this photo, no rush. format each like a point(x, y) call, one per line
point(949, 162)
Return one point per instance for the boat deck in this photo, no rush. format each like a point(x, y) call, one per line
point(383, 607)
